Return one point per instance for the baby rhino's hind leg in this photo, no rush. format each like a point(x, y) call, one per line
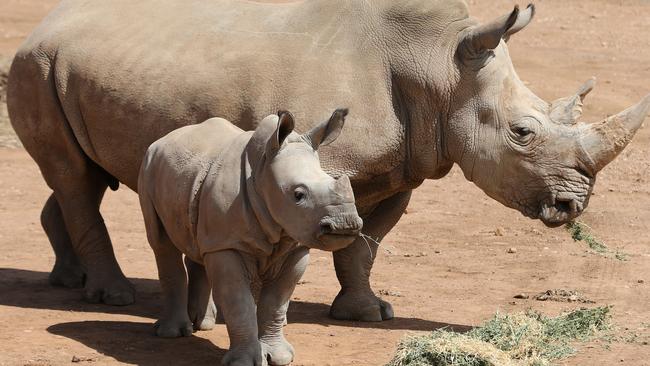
point(174, 321)
point(201, 308)
point(273, 305)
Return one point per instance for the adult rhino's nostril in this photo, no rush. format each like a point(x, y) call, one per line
point(562, 206)
point(569, 206)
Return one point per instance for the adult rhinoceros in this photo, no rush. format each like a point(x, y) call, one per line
point(426, 85)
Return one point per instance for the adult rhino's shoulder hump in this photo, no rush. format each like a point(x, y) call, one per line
point(411, 10)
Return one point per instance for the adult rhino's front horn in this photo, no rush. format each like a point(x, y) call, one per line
point(603, 141)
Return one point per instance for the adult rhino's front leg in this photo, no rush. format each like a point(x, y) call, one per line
point(356, 300)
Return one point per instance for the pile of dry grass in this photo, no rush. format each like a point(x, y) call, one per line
point(529, 339)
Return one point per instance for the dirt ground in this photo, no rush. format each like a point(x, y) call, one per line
point(446, 262)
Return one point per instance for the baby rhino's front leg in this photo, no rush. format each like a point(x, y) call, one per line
point(273, 304)
point(231, 289)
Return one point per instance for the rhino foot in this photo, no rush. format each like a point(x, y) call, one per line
point(249, 355)
point(112, 292)
point(360, 306)
point(173, 328)
point(278, 352)
point(70, 276)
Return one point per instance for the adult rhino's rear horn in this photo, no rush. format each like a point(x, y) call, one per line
point(603, 141)
point(567, 110)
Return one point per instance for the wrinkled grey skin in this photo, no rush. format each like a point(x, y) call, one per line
point(247, 205)
point(98, 82)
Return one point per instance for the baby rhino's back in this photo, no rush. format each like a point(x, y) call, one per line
point(172, 172)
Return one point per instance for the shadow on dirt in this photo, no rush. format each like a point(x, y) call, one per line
point(30, 289)
point(134, 343)
point(316, 313)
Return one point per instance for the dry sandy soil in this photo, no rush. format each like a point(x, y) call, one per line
point(442, 265)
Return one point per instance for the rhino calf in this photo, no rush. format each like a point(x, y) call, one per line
point(248, 206)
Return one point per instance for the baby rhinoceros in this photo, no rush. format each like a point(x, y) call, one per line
point(248, 206)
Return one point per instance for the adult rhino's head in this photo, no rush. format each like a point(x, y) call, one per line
point(526, 153)
point(310, 205)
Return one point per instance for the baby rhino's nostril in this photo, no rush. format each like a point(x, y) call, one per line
point(326, 228)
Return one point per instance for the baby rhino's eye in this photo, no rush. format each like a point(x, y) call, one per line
point(299, 195)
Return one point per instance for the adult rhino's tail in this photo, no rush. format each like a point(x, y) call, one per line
point(71, 217)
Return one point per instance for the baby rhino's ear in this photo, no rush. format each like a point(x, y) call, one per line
point(284, 128)
point(326, 132)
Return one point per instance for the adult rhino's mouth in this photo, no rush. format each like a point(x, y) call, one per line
point(560, 209)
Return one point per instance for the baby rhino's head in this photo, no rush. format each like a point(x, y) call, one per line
point(311, 206)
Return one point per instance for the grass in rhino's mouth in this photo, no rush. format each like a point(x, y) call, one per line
point(581, 232)
point(367, 238)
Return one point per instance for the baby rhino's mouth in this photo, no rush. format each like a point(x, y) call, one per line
point(343, 225)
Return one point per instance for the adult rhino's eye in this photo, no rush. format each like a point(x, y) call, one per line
point(522, 131)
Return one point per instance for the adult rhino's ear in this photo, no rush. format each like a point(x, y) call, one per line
point(326, 132)
point(523, 19)
point(285, 126)
point(485, 37)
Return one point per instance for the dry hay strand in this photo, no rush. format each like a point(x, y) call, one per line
point(522, 339)
point(443, 347)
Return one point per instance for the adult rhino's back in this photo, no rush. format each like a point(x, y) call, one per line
point(125, 73)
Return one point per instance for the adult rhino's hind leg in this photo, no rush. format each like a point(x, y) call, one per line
point(67, 270)
point(78, 183)
point(79, 199)
point(356, 300)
